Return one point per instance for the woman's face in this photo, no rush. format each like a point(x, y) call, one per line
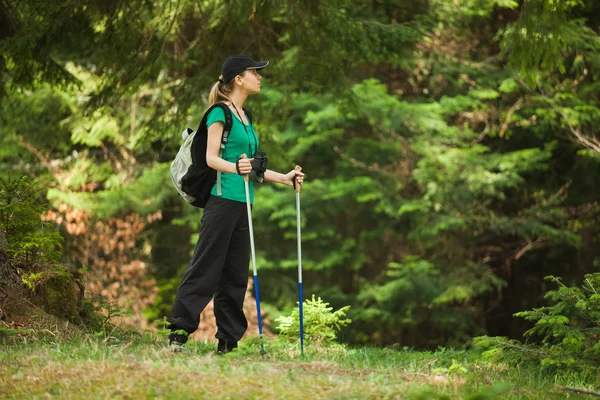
point(251, 81)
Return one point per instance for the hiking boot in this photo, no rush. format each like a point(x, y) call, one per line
point(225, 346)
point(177, 340)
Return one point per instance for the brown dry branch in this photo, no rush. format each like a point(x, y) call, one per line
point(45, 160)
point(587, 140)
point(477, 117)
point(560, 194)
point(372, 168)
point(509, 114)
point(571, 84)
point(536, 244)
point(578, 390)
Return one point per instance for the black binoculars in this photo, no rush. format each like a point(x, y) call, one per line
point(259, 166)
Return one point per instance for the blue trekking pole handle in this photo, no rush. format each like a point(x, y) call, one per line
point(253, 252)
point(299, 235)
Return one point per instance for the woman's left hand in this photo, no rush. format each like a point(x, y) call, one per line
point(290, 177)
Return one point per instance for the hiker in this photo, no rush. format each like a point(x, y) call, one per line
point(219, 265)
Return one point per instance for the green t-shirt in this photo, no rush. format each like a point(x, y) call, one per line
point(238, 143)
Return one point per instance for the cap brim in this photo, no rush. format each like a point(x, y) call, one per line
point(258, 65)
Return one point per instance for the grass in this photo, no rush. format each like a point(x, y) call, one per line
point(141, 366)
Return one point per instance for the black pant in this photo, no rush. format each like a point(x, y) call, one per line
point(218, 267)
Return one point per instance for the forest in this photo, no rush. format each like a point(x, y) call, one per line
point(451, 152)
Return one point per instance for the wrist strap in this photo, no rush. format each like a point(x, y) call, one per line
point(237, 166)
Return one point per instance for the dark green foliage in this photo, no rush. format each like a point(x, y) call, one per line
point(444, 177)
point(566, 334)
point(549, 31)
point(30, 240)
point(572, 323)
point(423, 215)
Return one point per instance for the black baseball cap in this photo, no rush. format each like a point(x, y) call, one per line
point(235, 65)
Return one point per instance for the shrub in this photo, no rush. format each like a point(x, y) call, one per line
point(321, 323)
point(566, 333)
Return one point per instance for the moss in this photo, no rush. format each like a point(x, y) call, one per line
point(57, 293)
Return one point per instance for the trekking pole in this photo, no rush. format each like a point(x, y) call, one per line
point(246, 178)
point(297, 187)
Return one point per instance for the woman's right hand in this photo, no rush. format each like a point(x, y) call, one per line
point(244, 165)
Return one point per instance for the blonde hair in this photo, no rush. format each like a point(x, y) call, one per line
point(220, 91)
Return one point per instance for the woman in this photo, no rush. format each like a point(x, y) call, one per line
point(219, 265)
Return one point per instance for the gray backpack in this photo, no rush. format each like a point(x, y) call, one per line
point(191, 175)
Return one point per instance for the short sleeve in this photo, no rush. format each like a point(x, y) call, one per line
point(216, 115)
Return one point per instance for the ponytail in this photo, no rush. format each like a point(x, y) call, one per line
point(220, 92)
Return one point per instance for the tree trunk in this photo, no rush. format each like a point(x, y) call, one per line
point(3, 254)
point(8, 276)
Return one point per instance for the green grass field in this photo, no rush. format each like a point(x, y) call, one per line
point(143, 367)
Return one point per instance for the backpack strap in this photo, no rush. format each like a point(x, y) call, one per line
point(248, 115)
point(199, 146)
point(224, 138)
point(203, 129)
